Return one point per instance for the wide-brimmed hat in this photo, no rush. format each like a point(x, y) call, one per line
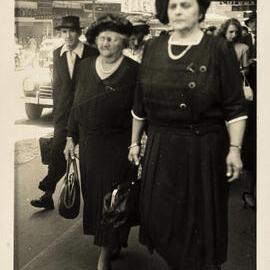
point(108, 22)
point(252, 17)
point(72, 22)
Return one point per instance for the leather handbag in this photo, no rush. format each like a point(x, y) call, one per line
point(121, 206)
point(70, 195)
point(248, 92)
point(45, 145)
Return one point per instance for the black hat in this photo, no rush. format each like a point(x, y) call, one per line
point(139, 25)
point(108, 22)
point(72, 22)
point(252, 17)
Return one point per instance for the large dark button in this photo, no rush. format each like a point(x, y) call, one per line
point(203, 68)
point(183, 106)
point(192, 85)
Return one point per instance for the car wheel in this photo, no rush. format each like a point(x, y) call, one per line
point(33, 111)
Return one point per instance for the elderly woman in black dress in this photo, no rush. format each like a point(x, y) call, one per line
point(189, 87)
point(100, 119)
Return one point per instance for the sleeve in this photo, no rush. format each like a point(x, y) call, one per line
point(73, 126)
point(138, 111)
point(230, 81)
point(73, 123)
point(245, 57)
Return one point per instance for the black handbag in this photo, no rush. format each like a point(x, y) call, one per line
point(70, 195)
point(45, 145)
point(121, 206)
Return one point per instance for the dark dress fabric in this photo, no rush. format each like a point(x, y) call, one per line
point(101, 113)
point(184, 193)
point(63, 93)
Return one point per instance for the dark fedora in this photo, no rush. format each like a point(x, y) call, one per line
point(108, 22)
point(72, 22)
point(251, 18)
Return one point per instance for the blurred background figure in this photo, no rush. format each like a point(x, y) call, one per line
point(249, 146)
point(140, 31)
point(231, 30)
point(211, 30)
point(246, 37)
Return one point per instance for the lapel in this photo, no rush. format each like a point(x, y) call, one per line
point(77, 62)
point(64, 67)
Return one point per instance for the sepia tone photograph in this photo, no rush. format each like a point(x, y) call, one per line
point(135, 135)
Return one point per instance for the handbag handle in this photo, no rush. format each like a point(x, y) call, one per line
point(245, 80)
point(72, 161)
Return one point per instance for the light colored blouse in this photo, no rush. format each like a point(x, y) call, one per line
point(241, 50)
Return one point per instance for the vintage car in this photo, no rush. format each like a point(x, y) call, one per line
point(37, 84)
point(37, 91)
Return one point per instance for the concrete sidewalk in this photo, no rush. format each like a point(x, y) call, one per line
point(46, 241)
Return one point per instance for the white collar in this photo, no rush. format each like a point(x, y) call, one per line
point(78, 50)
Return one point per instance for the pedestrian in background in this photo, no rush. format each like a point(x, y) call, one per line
point(250, 144)
point(189, 85)
point(246, 37)
point(140, 30)
point(100, 119)
point(231, 30)
point(65, 66)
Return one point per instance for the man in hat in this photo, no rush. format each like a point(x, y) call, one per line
point(65, 65)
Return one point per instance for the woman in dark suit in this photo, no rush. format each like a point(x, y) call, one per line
point(188, 88)
point(100, 119)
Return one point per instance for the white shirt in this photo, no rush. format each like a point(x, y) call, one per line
point(71, 56)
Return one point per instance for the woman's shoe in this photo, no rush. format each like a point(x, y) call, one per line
point(248, 200)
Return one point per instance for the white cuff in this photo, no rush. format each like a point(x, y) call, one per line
point(137, 117)
point(237, 119)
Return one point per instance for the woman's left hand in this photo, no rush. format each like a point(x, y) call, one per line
point(234, 164)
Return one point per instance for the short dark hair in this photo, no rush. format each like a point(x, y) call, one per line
point(162, 10)
point(224, 27)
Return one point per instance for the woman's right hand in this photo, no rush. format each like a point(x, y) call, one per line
point(134, 155)
point(69, 149)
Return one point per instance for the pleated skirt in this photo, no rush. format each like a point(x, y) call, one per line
point(184, 197)
point(103, 163)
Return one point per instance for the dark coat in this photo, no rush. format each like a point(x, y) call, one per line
point(63, 86)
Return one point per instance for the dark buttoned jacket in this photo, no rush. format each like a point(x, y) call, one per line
point(63, 86)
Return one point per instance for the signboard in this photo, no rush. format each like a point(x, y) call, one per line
point(141, 6)
point(44, 9)
point(239, 3)
point(105, 7)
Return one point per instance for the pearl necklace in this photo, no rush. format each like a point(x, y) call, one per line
point(114, 65)
point(179, 56)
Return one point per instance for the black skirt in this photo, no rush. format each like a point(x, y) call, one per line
point(184, 196)
point(103, 162)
